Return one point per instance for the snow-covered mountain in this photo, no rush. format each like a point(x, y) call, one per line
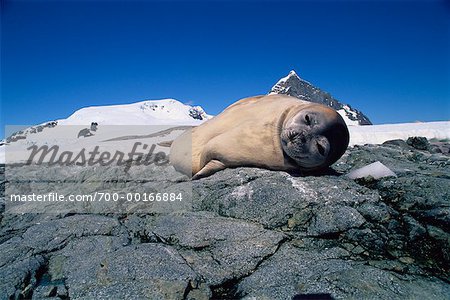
point(295, 86)
point(149, 121)
point(149, 112)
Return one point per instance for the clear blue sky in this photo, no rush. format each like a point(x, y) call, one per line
point(390, 59)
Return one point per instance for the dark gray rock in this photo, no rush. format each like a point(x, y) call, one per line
point(53, 235)
point(276, 199)
point(241, 233)
point(329, 220)
point(418, 142)
point(440, 147)
point(217, 248)
point(399, 143)
point(138, 271)
point(18, 277)
point(294, 271)
point(23, 256)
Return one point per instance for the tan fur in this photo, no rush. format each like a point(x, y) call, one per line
point(247, 133)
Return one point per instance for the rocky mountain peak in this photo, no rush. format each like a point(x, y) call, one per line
point(292, 73)
point(295, 86)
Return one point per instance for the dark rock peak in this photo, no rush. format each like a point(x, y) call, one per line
point(295, 86)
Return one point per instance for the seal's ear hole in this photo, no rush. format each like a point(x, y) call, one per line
point(307, 119)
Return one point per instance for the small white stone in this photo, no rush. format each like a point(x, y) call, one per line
point(376, 170)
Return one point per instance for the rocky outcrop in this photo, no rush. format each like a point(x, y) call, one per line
point(23, 134)
point(295, 86)
point(242, 233)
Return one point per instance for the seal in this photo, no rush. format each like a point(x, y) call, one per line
point(275, 132)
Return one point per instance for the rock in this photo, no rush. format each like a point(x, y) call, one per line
point(293, 271)
point(440, 147)
point(136, 271)
point(415, 229)
point(418, 142)
point(398, 142)
point(358, 250)
point(406, 260)
point(331, 220)
point(233, 248)
point(240, 233)
point(58, 291)
point(376, 212)
point(17, 276)
point(53, 235)
point(275, 199)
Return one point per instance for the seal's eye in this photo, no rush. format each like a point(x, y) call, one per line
point(307, 120)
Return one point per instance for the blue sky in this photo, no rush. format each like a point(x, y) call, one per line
point(390, 59)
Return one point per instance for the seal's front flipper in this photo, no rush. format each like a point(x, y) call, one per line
point(210, 168)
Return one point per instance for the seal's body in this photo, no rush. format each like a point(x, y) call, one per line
point(275, 132)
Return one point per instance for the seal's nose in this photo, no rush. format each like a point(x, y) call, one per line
point(322, 146)
point(320, 149)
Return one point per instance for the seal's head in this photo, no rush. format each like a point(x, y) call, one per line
point(315, 137)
